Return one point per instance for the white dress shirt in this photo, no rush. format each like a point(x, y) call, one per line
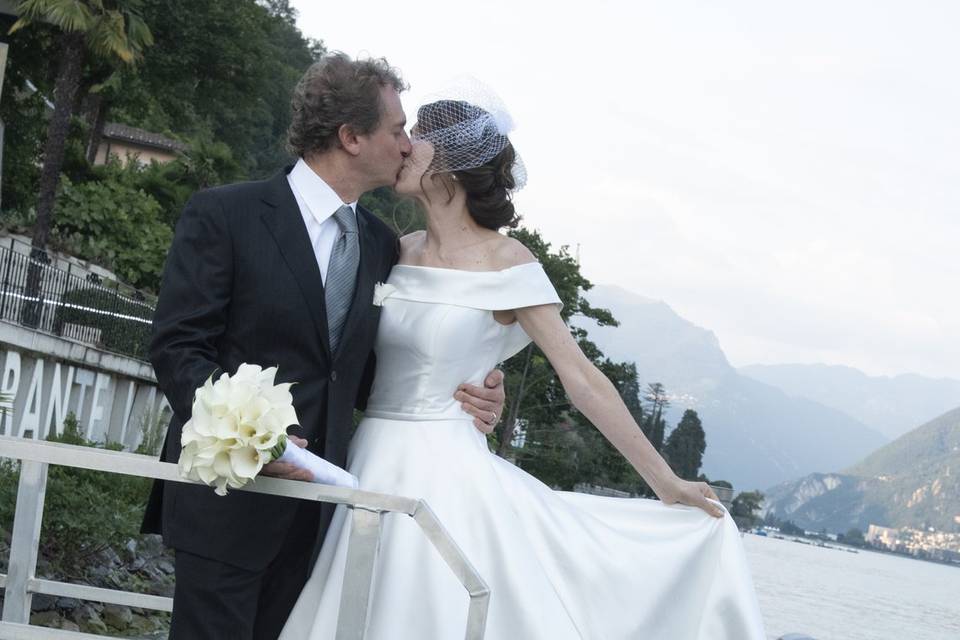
point(318, 202)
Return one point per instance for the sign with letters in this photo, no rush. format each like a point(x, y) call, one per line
point(40, 391)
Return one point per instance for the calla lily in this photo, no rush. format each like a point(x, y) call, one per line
point(226, 427)
point(249, 373)
point(206, 474)
point(245, 462)
point(221, 464)
point(255, 407)
point(285, 416)
point(279, 395)
point(267, 377)
point(238, 424)
point(266, 441)
point(240, 393)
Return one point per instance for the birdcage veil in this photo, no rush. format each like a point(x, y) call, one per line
point(467, 124)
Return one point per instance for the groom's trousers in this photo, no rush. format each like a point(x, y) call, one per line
point(217, 601)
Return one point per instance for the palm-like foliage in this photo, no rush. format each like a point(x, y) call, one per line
point(111, 30)
point(67, 15)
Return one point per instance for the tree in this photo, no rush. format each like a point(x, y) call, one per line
point(854, 538)
point(219, 78)
point(533, 389)
point(23, 112)
point(746, 508)
point(685, 446)
point(96, 106)
point(402, 214)
point(611, 468)
point(110, 30)
point(790, 528)
point(655, 424)
point(221, 72)
point(106, 29)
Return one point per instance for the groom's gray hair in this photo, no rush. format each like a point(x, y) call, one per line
point(336, 91)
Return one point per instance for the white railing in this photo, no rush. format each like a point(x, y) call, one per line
point(21, 583)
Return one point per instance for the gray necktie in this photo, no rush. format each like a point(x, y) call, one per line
point(341, 273)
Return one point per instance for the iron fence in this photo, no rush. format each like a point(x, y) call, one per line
point(66, 300)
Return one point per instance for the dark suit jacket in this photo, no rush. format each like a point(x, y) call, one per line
point(241, 284)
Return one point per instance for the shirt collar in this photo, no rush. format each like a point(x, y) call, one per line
point(319, 197)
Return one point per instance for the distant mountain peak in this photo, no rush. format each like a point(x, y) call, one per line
point(891, 404)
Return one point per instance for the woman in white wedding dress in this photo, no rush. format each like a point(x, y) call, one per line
point(559, 565)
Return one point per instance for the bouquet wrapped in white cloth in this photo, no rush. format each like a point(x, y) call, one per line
point(239, 423)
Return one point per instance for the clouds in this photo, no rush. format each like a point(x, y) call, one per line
point(785, 175)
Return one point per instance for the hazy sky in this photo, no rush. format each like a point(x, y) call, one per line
point(784, 174)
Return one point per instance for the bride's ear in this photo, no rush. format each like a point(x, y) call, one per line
point(449, 183)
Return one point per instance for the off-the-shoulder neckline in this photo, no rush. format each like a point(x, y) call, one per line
point(417, 266)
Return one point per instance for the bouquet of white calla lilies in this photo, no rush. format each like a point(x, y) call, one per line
point(239, 423)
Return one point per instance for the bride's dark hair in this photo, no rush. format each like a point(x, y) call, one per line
point(488, 187)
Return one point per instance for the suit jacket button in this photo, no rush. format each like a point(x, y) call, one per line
point(333, 376)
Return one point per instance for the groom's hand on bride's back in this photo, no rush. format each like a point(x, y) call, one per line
point(484, 403)
point(287, 471)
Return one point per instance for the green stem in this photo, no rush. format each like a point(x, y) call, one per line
point(279, 448)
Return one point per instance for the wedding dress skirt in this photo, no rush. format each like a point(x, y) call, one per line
point(559, 565)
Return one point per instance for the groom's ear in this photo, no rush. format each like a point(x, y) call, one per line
point(349, 141)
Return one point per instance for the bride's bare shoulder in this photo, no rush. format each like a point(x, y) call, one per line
point(510, 252)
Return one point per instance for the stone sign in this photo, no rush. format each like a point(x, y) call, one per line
point(40, 390)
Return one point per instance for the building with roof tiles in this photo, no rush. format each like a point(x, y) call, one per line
point(129, 143)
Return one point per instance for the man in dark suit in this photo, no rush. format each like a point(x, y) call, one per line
point(280, 272)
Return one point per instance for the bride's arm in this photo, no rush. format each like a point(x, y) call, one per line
point(596, 397)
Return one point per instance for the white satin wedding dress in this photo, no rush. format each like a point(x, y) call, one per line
point(559, 565)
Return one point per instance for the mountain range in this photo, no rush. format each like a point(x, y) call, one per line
point(913, 481)
point(891, 405)
point(757, 434)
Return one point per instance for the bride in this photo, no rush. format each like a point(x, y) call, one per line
point(559, 565)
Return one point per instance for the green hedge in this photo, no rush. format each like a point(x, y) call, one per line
point(116, 334)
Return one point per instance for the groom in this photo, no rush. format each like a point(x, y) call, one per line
point(280, 272)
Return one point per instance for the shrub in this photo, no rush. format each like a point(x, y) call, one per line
point(117, 224)
point(116, 334)
point(88, 511)
point(85, 511)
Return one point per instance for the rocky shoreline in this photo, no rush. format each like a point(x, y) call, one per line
point(143, 565)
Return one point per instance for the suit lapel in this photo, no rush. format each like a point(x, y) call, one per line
point(285, 224)
point(366, 274)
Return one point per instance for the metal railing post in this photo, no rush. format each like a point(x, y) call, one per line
point(114, 325)
point(6, 280)
point(25, 541)
point(452, 555)
point(362, 549)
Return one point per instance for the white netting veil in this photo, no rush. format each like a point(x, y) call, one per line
point(467, 125)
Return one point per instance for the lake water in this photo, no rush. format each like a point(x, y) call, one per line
point(836, 595)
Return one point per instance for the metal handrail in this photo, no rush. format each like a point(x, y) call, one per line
point(362, 548)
